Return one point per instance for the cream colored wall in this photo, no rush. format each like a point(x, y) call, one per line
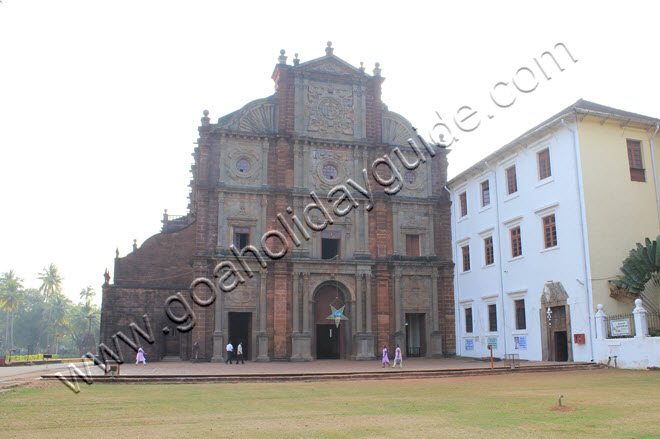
point(619, 212)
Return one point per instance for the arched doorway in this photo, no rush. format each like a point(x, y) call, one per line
point(330, 341)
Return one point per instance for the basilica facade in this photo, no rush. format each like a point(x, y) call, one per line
point(322, 221)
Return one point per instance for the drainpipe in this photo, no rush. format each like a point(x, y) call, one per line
point(499, 254)
point(457, 290)
point(655, 174)
point(585, 241)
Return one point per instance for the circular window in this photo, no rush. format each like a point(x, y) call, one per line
point(330, 172)
point(410, 177)
point(243, 165)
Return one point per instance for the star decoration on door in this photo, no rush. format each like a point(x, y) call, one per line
point(337, 315)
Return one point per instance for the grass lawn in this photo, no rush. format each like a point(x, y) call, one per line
point(601, 403)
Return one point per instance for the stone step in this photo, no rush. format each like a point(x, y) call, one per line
point(330, 376)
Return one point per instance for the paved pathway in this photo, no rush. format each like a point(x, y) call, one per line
point(10, 376)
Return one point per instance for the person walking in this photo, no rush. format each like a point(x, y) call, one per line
point(397, 358)
point(140, 356)
point(386, 360)
point(239, 353)
point(230, 352)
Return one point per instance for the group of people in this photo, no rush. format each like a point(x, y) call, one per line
point(397, 357)
point(230, 353)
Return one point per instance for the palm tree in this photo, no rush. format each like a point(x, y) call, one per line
point(11, 297)
point(87, 294)
point(51, 285)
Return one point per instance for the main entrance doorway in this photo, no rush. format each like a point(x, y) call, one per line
point(415, 335)
point(558, 334)
point(240, 331)
point(330, 341)
point(327, 342)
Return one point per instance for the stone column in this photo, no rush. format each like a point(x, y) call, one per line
point(218, 334)
point(431, 243)
point(358, 302)
point(367, 278)
point(436, 335)
point(221, 220)
point(306, 303)
point(601, 323)
point(641, 325)
point(295, 312)
point(262, 337)
point(365, 340)
point(301, 344)
point(395, 225)
point(399, 334)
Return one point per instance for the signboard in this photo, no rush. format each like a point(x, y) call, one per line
point(520, 342)
point(469, 344)
point(492, 341)
point(620, 327)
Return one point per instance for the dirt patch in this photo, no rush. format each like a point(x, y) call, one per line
point(563, 408)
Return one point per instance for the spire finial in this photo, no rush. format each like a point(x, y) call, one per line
point(282, 58)
point(361, 66)
point(205, 119)
point(329, 49)
point(296, 61)
point(377, 69)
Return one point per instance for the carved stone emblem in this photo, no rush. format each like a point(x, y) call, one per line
point(330, 111)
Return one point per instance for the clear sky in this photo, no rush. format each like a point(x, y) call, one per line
point(100, 101)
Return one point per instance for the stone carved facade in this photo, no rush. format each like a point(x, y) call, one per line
point(392, 271)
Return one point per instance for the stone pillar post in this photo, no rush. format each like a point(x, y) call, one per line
point(395, 225)
point(358, 300)
point(295, 312)
point(218, 333)
point(301, 344)
point(306, 303)
point(601, 323)
point(436, 335)
point(221, 219)
point(365, 347)
point(399, 333)
point(641, 324)
point(262, 337)
point(367, 278)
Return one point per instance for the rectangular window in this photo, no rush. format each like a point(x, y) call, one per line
point(520, 314)
point(412, 245)
point(468, 320)
point(549, 231)
point(330, 244)
point(544, 164)
point(485, 194)
point(466, 257)
point(635, 161)
point(241, 237)
point(492, 318)
point(488, 247)
point(511, 180)
point(516, 243)
point(463, 198)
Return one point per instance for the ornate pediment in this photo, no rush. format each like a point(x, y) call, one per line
point(330, 64)
point(553, 294)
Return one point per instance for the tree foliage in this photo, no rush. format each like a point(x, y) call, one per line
point(641, 265)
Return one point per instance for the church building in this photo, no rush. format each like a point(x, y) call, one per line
point(321, 220)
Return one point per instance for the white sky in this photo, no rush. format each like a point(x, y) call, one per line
point(100, 101)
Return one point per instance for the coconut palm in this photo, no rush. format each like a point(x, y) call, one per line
point(11, 297)
point(87, 294)
point(51, 285)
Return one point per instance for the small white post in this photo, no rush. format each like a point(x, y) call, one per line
point(601, 323)
point(641, 325)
